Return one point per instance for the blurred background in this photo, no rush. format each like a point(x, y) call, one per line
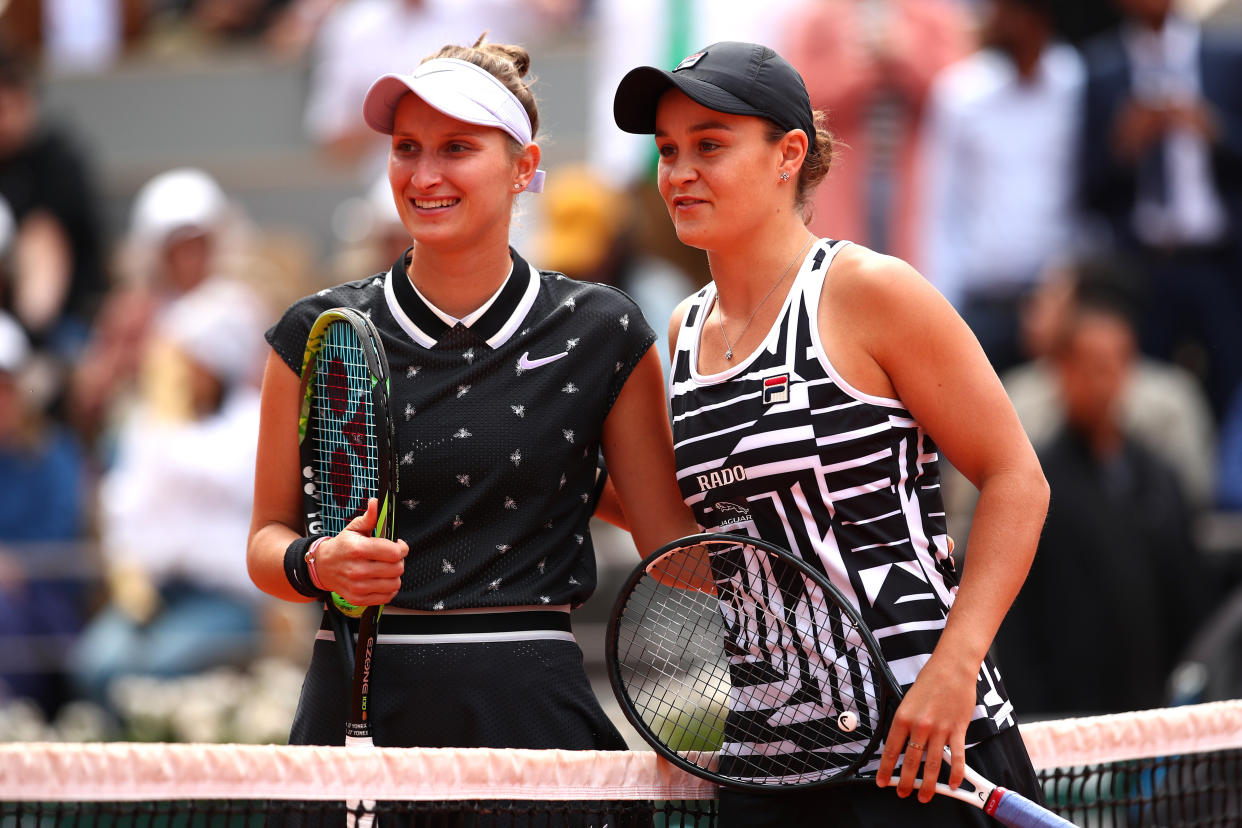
point(173, 173)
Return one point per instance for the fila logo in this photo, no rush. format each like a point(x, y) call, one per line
point(776, 389)
point(525, 363)
point(720, 478)
point(690, 60)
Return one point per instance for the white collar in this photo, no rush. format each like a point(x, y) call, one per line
point(470, 318)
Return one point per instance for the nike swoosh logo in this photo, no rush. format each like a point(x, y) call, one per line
point(525, 363)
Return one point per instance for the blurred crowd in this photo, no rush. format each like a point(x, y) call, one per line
point(1067, 172)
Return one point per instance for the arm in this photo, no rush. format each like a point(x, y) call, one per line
point(1105, 179)
point(44, 269)
point(922, 38)
point(609, 507)
point(364, 570)
point(902, 333)
point(1217, 114)
point(638, 445)
point(826, 43)
point(336, 90)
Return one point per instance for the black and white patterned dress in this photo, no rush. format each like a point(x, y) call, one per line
point(781, 447)
point(498, 432)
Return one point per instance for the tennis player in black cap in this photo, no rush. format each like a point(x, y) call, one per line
point(827, 379)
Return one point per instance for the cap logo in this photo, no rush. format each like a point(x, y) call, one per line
point(690, 60)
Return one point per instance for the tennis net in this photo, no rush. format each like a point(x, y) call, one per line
point(1173, 767)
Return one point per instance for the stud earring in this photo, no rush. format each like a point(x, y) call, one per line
point(517, 186)
point(784, 176)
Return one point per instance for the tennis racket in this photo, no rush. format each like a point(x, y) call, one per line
point(744, 665)
point(346, 439)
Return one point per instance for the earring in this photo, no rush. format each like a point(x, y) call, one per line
point(517, 186)
point(784, 176)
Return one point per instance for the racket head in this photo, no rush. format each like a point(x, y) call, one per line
point(346, 436)
point(742, 664)
point(347, 440)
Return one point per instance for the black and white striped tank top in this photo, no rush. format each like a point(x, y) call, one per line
point(781, 447)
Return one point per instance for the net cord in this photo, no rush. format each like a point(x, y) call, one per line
point(134, 772)
point(129, 771)
point(1144, 734)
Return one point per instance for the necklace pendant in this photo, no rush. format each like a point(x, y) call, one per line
point(729, 354)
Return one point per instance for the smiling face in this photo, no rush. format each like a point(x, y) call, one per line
point(453, 182)
point(718, 173)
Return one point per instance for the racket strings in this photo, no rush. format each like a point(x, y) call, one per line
point(671, 668)
point(345, 447)
point(743, 665)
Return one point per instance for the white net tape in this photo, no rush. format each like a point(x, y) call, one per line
point(124, 771)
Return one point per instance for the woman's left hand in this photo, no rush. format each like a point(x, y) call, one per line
point(932, 716)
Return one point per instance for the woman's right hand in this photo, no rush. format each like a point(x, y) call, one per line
point(359, 567)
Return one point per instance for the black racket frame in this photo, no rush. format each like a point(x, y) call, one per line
point(357, 658)
point(885, 682)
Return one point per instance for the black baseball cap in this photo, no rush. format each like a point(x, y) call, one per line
point(730, 76)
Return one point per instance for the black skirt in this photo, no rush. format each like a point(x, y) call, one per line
point(462, 680)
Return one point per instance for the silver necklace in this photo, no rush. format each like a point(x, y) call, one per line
point(728, 354)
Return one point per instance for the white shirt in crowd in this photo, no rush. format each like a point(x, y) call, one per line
point(177, 504)
point(999, 171)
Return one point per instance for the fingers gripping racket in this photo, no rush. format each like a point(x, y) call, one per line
point(346, 439)
point(742, 664)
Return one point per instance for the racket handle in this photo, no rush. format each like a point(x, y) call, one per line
point(366, 818)
point(1016, 811)
point(355, 819)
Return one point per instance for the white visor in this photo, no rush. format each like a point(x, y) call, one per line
point(460, 90)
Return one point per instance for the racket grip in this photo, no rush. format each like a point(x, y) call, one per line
point(361, 812)
point(1016, 811)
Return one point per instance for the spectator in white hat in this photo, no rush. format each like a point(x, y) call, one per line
point(183, 234)
point(174, 506)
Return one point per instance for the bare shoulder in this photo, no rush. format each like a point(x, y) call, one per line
point(879, 318)
point(865, 284)
point(862, 272)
